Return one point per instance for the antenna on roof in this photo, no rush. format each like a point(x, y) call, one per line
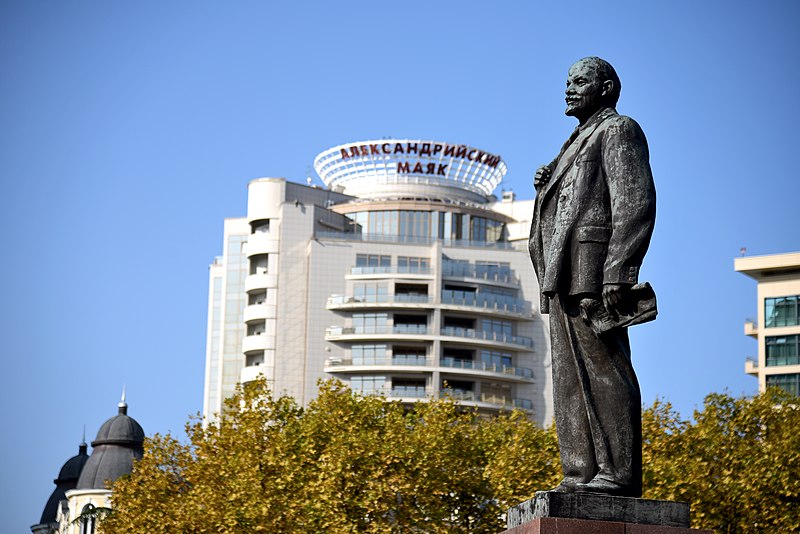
point(123, 406)
point(82, 445)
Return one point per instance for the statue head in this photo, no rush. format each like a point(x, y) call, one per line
point(592, 84)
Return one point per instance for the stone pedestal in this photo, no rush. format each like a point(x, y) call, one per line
point(581, 513)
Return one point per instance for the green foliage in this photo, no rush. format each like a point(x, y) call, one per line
point(349, 463)
point(346, 463)
point(738, 464)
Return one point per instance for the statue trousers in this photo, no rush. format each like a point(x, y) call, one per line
point(596, 400)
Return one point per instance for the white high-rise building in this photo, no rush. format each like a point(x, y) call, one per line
point(405, 276)
point(777, 323)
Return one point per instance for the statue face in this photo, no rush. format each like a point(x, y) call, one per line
point(584, 91)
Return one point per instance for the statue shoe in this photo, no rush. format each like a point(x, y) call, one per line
point(601, 485)
point(566, 486)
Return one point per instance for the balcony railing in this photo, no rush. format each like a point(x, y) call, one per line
point(342, 300)
point(488, 336)
point(412, 240)
point(409, 392)
point(461, 270)
point(485, 301)
point(416, 329)
point(390, 269)
point(497, 400)
point(454, 363)
point(401, 360)
point(422, 330)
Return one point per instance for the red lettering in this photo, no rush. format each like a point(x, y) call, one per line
point(449, 150)
point(417, 168)
point(398, 148)
point(437, 148)
point(373, 149)
point(385, 148)
point(402, 167)
point(441, 170)
point(344, 153)
point(430, 168)
point(410, 150)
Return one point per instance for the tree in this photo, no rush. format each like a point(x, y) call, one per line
point(346, 463)
point(738, 464)
point(349, 463)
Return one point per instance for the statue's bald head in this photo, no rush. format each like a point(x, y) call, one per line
point(604, 72)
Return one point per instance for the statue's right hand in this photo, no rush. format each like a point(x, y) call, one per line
point(541, 177)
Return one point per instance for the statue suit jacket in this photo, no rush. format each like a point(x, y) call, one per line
point(593, 219)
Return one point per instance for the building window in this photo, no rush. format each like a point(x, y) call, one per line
point(88, 519)
point(496, 359)
point(373, 260)
point(483, 229)
point(408, 387)
point(259, 264)
point(368, 384)
point(783, 350)
point(499, 328)
point(408, 356)
point(492, 270)
point(410, 264)
point(782, 311)
point(789, 383)
point(370, 292)
point(368, 354)
point(369, 323)
point(260, 226)
point(415, 223)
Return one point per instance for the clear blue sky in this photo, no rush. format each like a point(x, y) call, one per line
point(130, 130)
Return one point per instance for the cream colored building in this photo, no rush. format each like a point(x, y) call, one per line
point(404, 276)
point(777, 326)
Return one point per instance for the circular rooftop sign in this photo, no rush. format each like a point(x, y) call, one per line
point(401, 167)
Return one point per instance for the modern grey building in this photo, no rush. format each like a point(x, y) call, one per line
point(403, 276)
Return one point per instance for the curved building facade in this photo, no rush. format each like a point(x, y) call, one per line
point(404, 277)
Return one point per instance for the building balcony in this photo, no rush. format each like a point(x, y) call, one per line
point(262, 243)
point(751, 367)
point(391, 272)
point(495, 402)
point(412, 240)
point(257, 342)
point(408, 363)
point(260, 281)
point(479, 274)
point(493, 304)
point(253, 372)
point(413, 331)
point(258, 312)
point(468, 367)
point(341, 302)
point(344, 333)
point(751, 328)
point(470, 335)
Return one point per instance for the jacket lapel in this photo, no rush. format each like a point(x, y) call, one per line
point(567, 157)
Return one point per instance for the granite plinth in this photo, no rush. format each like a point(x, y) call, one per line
point(599, 507)
point(559, 525)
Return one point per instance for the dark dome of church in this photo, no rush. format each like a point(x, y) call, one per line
point(67, 480)
point(73, 467)
point(119, 442)
point(120, 429)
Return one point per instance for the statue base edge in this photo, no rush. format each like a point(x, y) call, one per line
point(599, 507)
point(561, 525)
